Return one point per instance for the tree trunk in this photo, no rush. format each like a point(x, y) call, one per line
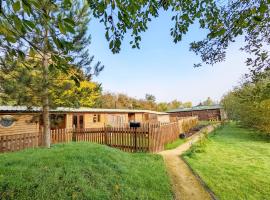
point(45, 96)
point(46, 122)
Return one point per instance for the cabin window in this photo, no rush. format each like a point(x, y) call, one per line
point(57, 121)
point(78, 121)
point(131, 117)
point(81, 121)
point(75, 121)
point(7, 121)
point(96, 118)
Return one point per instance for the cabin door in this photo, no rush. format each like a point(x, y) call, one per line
point(78, 121)
point(131, 117)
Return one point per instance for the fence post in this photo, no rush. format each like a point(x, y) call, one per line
point(73, 134)
point(105, 135)
point(135, 137)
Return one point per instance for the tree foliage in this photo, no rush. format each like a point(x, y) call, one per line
point(22, 86)
point(249, 103)
point(47, 37)
point(249, 19)
point(24, 46)
point(112, 100)
point(121, 17)
point(224, 20)
point(207, 102)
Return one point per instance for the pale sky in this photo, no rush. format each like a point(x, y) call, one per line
point(163, 68)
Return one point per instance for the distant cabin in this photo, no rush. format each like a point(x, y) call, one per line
point(17, 119)
point(204, 113)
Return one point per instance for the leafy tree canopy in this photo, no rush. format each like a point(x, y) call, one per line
point(249, 19)
point(249, 103)
point(225, 21)
point(56, 30)
point(121, 17)
point(22, 85)
point(112, 100)
point(208, 102)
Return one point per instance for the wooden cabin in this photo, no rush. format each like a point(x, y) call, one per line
point(204, 113)
point(17, 119)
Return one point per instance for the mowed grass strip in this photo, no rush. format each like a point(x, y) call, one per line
point(175, 144)
point(234, 163)
point(82, 171)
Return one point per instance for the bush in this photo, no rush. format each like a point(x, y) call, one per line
point(198, 147)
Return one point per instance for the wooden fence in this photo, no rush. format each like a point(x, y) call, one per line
point(147, 138)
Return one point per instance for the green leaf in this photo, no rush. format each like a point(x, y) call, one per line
point(257, 18)
point(58, 42)
point(218, 33)
point(61, 28)
point(185, 17)
point(18, 23)
point(11, 39)
point(69, 21)
point(29, 23)
point(263, 8)
point(107, 35)
point(32, 52)
point(111, 44)
point(21, 54)
point(16, 6)
point(76, 80)
point(27, 9)
point(69, 28)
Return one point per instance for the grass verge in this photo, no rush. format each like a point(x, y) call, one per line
point(234, 162)
point(82, 171)
point(175, 144)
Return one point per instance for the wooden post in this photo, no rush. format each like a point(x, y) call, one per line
point(135, 137)
point(73, 134)
point(105, 135)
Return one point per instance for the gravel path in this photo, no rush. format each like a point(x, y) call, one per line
point(185, 185)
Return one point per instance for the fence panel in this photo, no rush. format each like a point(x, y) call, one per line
point(9, 143)
point(61, 136)
point(150, 137)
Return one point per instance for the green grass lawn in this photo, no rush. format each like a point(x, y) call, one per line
point(234, 163)
point(175, 144)
point(82, 171)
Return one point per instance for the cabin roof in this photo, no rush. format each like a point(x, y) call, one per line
point(213, 107)
point(75, 110)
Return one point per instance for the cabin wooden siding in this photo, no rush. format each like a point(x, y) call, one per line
point(113, 119)
point(23, 123)
point(139, 117)
point(203, 115)
point(163, 118)
point(69, 120)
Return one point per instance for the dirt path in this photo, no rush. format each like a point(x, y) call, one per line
point(185, 185)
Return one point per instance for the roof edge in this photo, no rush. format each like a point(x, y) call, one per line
point(72, 110)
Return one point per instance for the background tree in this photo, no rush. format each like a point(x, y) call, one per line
point(150, 103)
point(108, 100)
point(249, 103)
point(48, 36)
point(162, 107)
point(208, 102)
point(21, 86)
point(174, 104)
point(187, 104)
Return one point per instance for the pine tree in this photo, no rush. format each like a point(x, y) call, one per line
point(44, 37)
